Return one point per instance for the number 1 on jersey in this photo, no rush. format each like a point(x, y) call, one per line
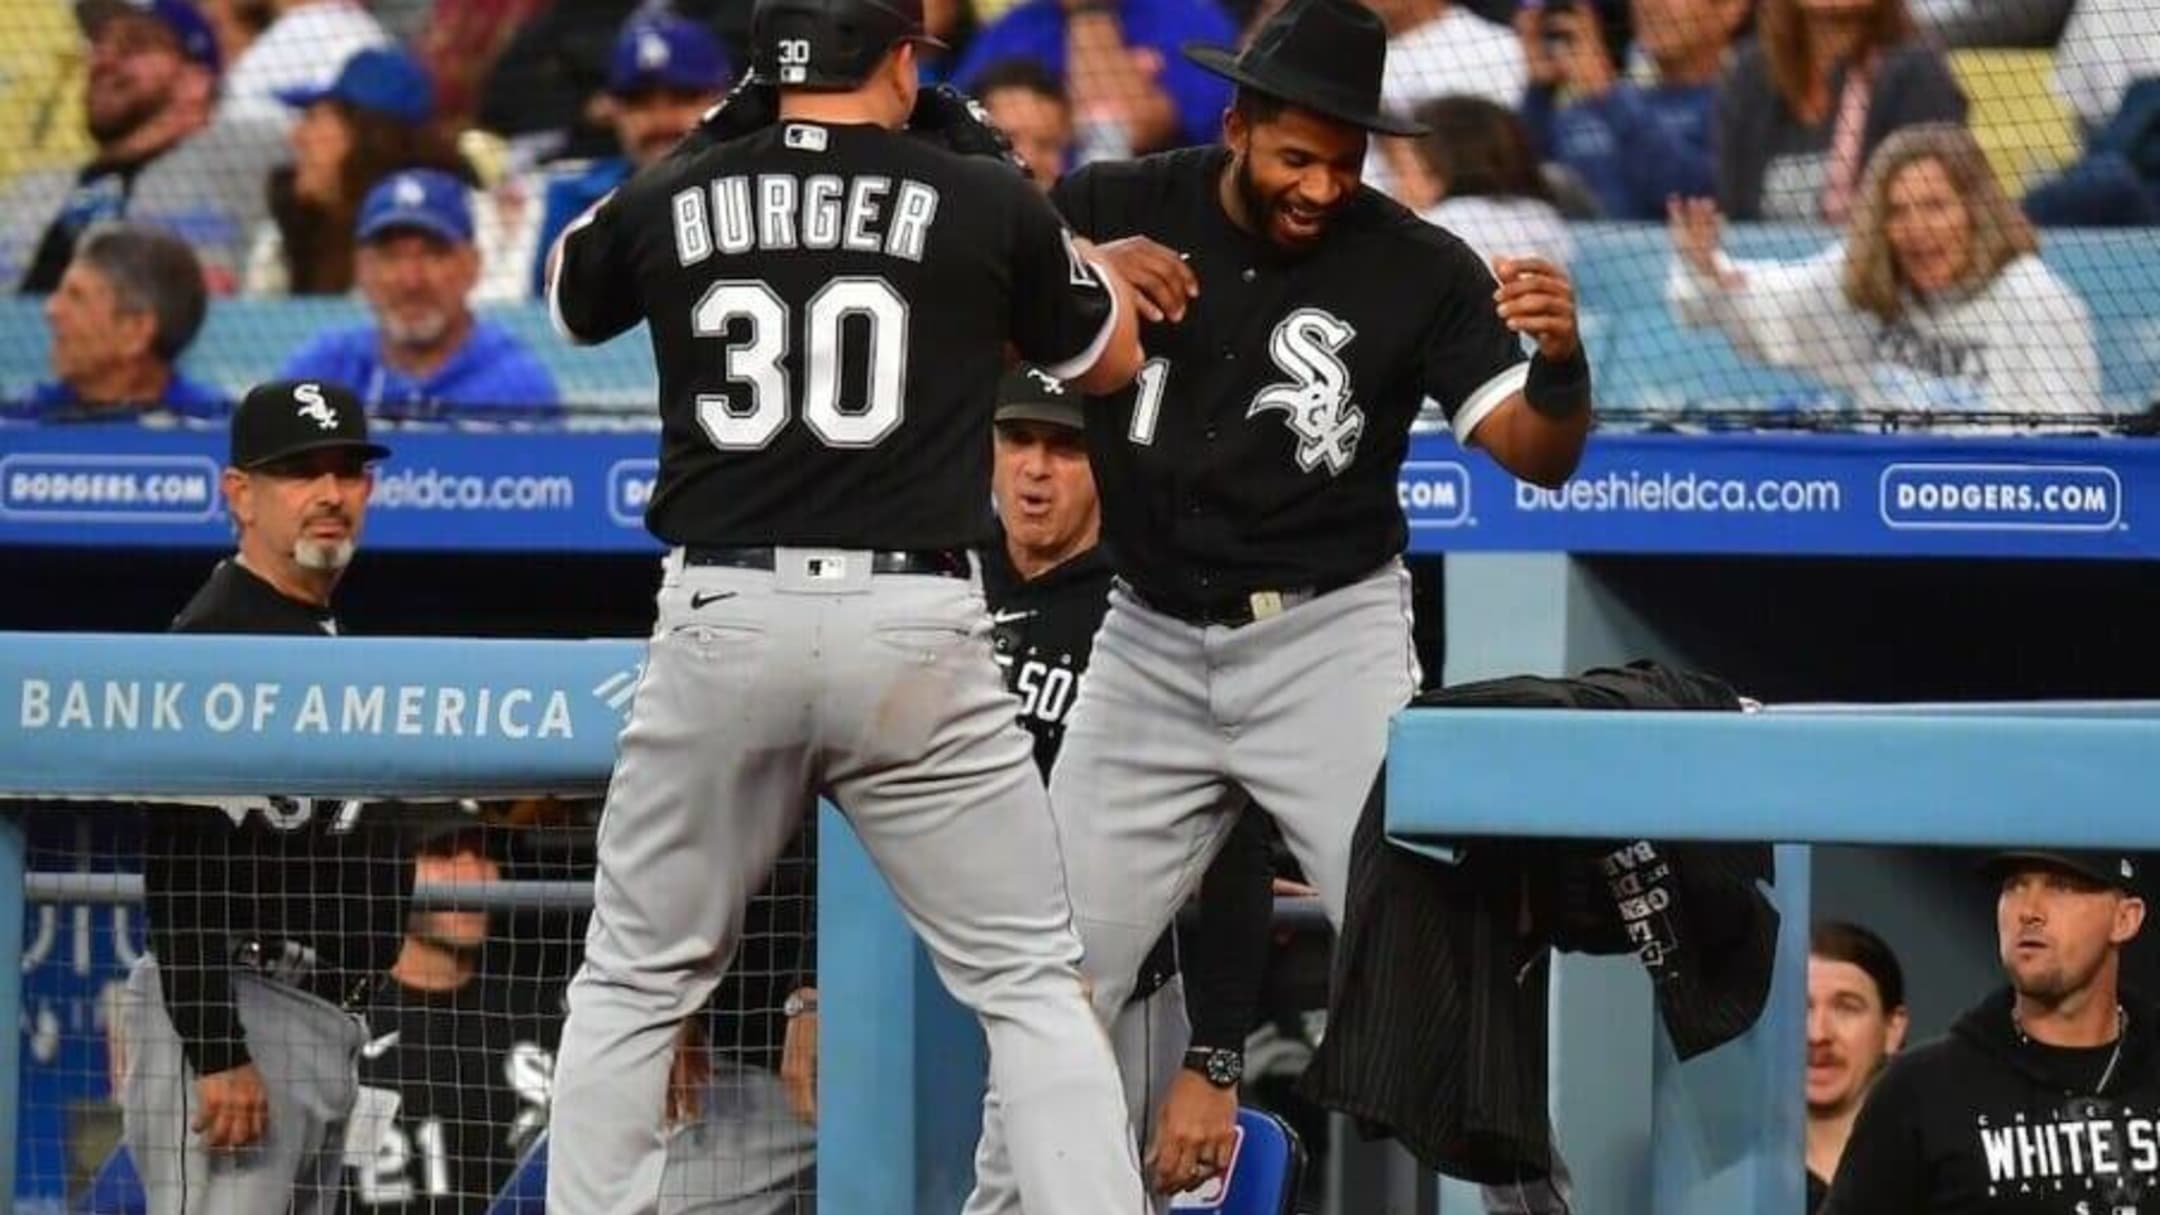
point(1147, 403)
point(755, 362)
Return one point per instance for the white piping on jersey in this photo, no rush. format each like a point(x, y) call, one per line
point(1084, 362)
point(554, 283)
point(1487, 398)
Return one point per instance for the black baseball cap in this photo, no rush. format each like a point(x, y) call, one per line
point(2118, 870)
point(1028, 394)
point(287, 418)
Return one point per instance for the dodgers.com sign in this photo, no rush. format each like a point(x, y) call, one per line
point(2003, 497)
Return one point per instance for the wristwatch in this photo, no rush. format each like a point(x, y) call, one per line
point(798, 1003)
point(1221, 1067)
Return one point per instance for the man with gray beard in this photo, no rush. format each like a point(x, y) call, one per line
point(426, 355)
point(270, 924)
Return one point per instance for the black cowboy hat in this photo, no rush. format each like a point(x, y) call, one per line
point(1321, 55)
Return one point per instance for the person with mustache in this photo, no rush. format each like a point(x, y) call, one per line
point(427, 354)
point(271, 923)
point(2045, 1096)
point(1258, 639)
point(1856, 1020)
point(666, 71)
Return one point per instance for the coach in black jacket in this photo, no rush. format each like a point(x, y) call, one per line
point(1436, 1031)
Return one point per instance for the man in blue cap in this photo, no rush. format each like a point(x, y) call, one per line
point(147, 103)
point(426, 355)
point(666, 71)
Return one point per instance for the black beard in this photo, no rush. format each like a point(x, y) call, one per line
point(117, 127)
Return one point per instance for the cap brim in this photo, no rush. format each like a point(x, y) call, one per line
point(1996, 864)
point(1072, 417)
point(300, 99)
point(1224, 62)
point(373, 451)
point(415, 221)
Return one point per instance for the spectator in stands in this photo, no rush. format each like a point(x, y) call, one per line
point(1803, 108)
point(2116, 182)
point(1936, 300)
point(1476, 159)
point(1992, 23)
point(1436, 49)
point(1856, 1020)
point(459, 41)
point(426, 354)
point(1131, 89)
point(2041, 1097)
point(128, 306)
point(158, 159)
point(1632, 145)
point(666, 72)
point(302, 47)
point(1027, 104)
point(369, 123)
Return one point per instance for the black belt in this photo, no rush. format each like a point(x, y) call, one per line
point(281, 962)
point(1233, 612)
point(940, 562)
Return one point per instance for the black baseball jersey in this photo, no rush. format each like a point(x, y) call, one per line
point(1259, 446)
point(471, 1069)
point(295, 874)
point(1043, 630)
point(829, 307)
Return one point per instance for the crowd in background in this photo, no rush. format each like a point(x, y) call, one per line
point(262, 134)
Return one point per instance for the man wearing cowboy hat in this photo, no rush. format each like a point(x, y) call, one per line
point(1258, 639)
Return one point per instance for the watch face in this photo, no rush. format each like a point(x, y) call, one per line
point(1225, 1068)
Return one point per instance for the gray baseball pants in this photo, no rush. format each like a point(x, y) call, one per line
point(308, 1053)
point(1176, 726)
point(762, 691)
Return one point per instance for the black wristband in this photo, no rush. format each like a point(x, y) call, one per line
point(1559, 390)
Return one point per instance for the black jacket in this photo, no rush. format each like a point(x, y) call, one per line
point(1985, 1120)
point(1437, 1025)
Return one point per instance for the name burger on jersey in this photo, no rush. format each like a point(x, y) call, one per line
point(780, 211)
point(399, 710)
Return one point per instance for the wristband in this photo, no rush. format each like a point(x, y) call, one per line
point(1559, 390)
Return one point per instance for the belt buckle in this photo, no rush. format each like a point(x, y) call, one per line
point(1265, 604)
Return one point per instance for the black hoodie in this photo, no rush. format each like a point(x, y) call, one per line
point(1987, 1120)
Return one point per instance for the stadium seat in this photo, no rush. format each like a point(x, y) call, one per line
point(525, 1193)
point(115, 1189)
point(1266, 1166)
point(2026, 130)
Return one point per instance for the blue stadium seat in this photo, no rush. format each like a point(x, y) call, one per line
point(525, 1192)
point(1266, 1168)
point(115, 1189)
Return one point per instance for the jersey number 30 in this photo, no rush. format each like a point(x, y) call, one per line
point(755, 361)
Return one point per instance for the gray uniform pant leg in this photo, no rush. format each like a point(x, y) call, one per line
point(307, 1052)
point(883, 692)
point(747, 1155)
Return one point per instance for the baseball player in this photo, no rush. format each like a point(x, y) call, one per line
point(829, 300)
point(1258, 640)
point(269, 925)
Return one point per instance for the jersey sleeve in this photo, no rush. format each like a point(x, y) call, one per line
point(1473, 361)
point(1224, 951)
point(592, 294)
point(1063, 313)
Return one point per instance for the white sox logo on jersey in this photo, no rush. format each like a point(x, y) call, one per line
point(1315, 400)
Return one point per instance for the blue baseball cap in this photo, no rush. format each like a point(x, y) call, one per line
point(192, 30)
point(666, 51)
point(423, 200)
point(382, 79)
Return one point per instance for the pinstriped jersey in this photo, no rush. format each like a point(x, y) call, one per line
point(829, 307)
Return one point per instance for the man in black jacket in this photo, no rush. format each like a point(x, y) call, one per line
point(269, 924)
point(2046, 1096)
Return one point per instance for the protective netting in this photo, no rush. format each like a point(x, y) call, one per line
point(163, 944)
point(1904, 208)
